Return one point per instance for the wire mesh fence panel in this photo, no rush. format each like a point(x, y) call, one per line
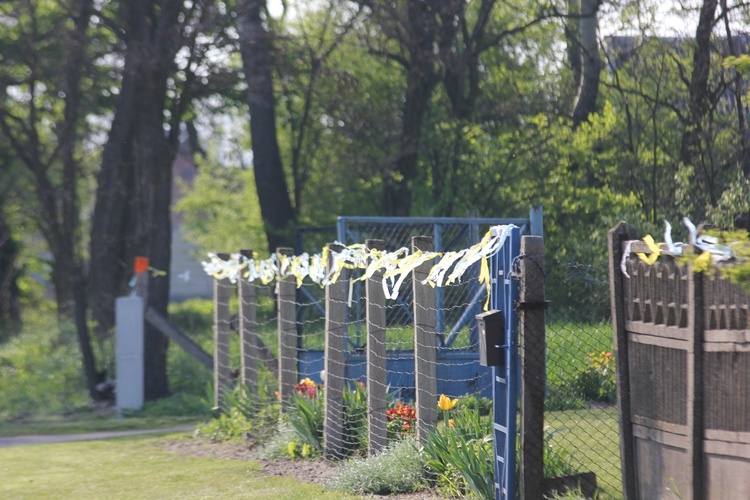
point(581, 420)
point(447, 235)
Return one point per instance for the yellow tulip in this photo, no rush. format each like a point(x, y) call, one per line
point(446, 403)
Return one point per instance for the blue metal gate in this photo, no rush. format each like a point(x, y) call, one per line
point(503, 297)
point(448, 234)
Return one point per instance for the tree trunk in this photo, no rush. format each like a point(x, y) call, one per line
point(588, 90)
point(421, 78)
point(257, 58)
point(573, 42)
point(10, 307)
point(131, 216)
point(698, 104)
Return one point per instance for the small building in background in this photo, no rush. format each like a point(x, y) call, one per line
point(187, 280)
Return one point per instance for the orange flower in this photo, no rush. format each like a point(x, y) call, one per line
point(451, 422)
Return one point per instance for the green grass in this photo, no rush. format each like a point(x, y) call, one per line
point(104, 423)
point(592, 438)
point(137, 468)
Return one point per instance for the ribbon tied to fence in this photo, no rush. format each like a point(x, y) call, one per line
point(396, 265)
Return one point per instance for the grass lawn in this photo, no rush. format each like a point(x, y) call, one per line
point(592, 438)
point(53, 426)
point(137, 467)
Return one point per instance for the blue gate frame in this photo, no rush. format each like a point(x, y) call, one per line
point(503, 297)
point(348, 232)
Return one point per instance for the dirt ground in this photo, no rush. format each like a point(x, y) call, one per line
point(316, 471)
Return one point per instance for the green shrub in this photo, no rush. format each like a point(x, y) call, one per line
point(278, 444)
point(398, 469)
point(249, 415)
point(40, 371)
point(461, 454)
point(305, 414)
point(598, 380)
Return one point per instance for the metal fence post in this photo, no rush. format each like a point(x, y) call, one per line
point(377, 424)
point(335, 330)
point(503, 297)
point(532, 350)
point(287, 324)
point(222, 370)
point(425, 348)
point(249, 351)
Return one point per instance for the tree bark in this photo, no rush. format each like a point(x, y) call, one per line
point(421, 79)
point(10, 307)
point(131, 216)
point(256, 49)
point(588, 90)
point(698, 104)
point(573, 42)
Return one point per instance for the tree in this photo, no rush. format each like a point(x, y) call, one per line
point(43, 83)
point(132, 211)
point(590, 63)
point(256, 47)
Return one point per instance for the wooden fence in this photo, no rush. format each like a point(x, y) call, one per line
point(426, 357)
point(683, 361)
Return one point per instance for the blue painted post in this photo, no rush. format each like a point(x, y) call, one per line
point(536, 221)
point(504, 294)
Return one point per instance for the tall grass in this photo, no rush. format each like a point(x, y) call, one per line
point(40, 371)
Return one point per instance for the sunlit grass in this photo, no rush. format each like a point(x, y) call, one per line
point(137, 468)
point(592, 438)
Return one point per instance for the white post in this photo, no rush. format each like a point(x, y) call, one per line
point(129, 353)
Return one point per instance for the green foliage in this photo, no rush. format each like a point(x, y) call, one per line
point(571, 376)
point(598, 381)
point(398, 469)
point(305, 414)
point(40, 371)
point(460, 455)
point(221, 211)
point(557, 459)
point(251, 416)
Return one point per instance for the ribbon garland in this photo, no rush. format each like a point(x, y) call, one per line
point(396, 265)
point(709, 245)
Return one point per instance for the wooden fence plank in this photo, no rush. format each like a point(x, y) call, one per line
point(425, 343)
point(335, 330)
point(249, 349)
point(222, 370)
point(616, 237)
point(696, 324)
point(532, 352)
point(287, 324)
point(376, 358)
point(174, 334)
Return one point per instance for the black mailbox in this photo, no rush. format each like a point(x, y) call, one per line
point(491, 338)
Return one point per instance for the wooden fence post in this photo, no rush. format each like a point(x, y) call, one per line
point(532, 351)
point(695, 381)
point(377, 387)
point(425, 347)
point(335, 328)
point(249, 349)
point(287, 323)
point(222, 370)
point(616, 237)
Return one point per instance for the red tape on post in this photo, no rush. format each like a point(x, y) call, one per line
point(141, 265)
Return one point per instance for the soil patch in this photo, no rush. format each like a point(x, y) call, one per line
point(317, 471)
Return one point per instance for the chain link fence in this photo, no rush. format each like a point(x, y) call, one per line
point(581, 420)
